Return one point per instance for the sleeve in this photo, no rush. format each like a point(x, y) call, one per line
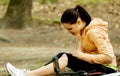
point(101, 41)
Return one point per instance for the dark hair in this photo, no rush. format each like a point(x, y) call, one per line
point(71, 15)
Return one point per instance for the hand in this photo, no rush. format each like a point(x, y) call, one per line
point(76, 53)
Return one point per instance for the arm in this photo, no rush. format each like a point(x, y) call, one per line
point(101, 41)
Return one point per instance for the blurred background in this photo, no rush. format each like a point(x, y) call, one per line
point(31, 32)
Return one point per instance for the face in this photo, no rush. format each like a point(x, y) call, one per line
point(76, 28)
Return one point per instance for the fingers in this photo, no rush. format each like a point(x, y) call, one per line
point(71, 52)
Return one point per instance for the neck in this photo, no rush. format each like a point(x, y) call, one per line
point(78, 36)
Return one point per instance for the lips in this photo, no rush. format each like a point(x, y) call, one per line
point(73, 33)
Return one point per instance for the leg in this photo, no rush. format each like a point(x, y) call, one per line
point(49, 69)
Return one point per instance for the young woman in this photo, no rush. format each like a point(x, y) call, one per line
point(95, 53)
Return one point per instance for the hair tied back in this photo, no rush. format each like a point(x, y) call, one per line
point(77, 8)
point(84, 15)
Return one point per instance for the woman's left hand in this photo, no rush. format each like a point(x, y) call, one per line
point(76, 53)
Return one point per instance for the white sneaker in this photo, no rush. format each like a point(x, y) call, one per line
point(14, 71)
point(112, 74)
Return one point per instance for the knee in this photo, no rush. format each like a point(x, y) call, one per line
point(63, 60)
point(64, 57)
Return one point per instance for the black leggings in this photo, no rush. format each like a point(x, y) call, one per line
point(77, 64)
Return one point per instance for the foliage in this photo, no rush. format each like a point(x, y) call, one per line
point(47, 21)
point(5, 2)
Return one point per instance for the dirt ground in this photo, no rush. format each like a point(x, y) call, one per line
point(32, 48)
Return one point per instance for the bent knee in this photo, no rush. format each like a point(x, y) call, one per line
point(63, 60)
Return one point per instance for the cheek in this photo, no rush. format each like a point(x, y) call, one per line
point(80, 27)
point(76, 30)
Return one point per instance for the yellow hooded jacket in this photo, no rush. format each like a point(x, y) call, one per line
point(96, 46)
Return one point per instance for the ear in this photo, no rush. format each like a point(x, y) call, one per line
point(78, 21)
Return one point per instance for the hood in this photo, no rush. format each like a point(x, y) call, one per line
point(97, 22)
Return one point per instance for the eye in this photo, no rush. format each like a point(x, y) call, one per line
point(69, 28)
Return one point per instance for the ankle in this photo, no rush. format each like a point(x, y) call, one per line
point(29, 73)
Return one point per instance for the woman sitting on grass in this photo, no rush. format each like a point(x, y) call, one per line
point(95, 53)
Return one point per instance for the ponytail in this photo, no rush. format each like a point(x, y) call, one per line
point(71, 15)
point(83, 14)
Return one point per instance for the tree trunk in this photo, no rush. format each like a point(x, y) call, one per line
point(18, 14)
